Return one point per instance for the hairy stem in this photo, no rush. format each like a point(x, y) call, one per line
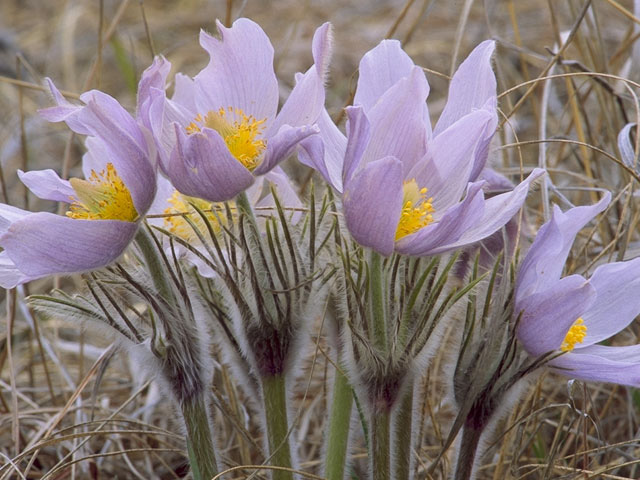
point(194, 410)
point(467, 453)
point(339, 424)
point(402, 436)
point(275, 409)
point(377, 302)
point(199, 439)
point(380, 445)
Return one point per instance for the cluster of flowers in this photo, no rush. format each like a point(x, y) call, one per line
point(405, 187)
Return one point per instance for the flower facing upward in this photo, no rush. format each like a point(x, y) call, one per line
point(221, 128)
point(571, 315)
point(105, 208)
point(406, 188)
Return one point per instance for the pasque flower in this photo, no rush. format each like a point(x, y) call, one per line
point(405, 187)
point(220, 129)
point(105, 207)
point(571, 315)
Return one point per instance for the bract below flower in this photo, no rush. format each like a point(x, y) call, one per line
point(175, 206)
point(570, 315)
point(105, 208)
point(220, 129)
point(406, 188)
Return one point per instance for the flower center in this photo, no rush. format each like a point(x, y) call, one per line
point(239, 132)
point(417, 209)
point(576, 334)
point(181, 206)
point(103, 196)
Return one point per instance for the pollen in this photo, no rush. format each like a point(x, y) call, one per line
point(103, 196)
point(181, 206)
point(240, 132)
point(417, 209)
point(575, 335)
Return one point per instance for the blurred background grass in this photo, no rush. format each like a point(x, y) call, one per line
point(57, 421)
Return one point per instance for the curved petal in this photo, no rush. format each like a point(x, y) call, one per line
point(482, 152)
point(184, 92)
point(202, 166)
point(240, 72)
point(46, 244)
point(617, 302)
point(64, 111)
point(46, 184)
point(358, 135)
point(372, 203)
point(282, 145)
point(446, 169)
point(380, 69)
point(497, 212)
point(163, 113)
point(546, 257)
point(325, 152)
point(397, 122)
point(602, 367)
point(154, 76)
point(306, 100)
point(10, 276)
point(125, 140)
point(471, 86)
point(548, 315)
point(439, 236)
point(9, 214)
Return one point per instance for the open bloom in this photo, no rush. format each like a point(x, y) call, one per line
point(572, 314)
point(105, 207)
point(405, 187)
point(220, 129)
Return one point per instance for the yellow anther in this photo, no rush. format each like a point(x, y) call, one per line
point(575, 335)
point(239, 131)
point(413, 218)
point(103, 196)
point(181, 206)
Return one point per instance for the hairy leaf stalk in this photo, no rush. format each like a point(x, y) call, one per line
point(339, 423)
point(192, 400)
point(275, 408)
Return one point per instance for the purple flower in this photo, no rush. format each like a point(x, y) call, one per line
point(220, 129)
point(572, 314)
point(404, 187)
point(105, 208)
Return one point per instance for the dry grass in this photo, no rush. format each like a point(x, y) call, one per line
point(70, 407)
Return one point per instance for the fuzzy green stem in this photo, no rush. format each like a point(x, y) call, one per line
point(467, 454)
point(402, 435)
point(243, 204)
point(377, 302)
point(339, 424)
point(199, 439)
point(154, 263)
point(380, 445)
point(199, 435)
point(275, 409)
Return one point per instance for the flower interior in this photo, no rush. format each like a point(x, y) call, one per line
point(103, 196)
point(239, 132)
point(181, 206)
point(576, 334)
point(417, 209)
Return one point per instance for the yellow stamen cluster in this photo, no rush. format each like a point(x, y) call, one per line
point(181, 206)
point(103, 196)
point(417, 209)
point(239, 132)
point(576, 334)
